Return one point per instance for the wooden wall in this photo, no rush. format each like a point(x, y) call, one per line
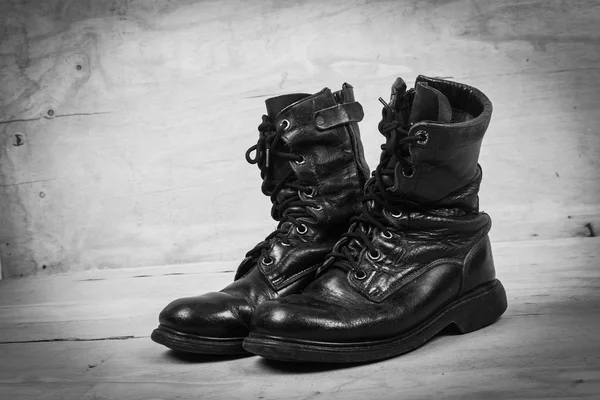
point(123, 123)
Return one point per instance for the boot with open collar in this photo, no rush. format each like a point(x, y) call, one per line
point(417, 260)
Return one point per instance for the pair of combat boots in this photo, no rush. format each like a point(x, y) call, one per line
point(359, 268)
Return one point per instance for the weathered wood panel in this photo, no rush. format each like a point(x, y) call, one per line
point(123, 124)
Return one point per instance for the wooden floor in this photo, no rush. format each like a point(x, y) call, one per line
point(86, 336)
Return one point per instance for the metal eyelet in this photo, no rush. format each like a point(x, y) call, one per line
point(386, 235)
point(360, 274)
point(285, 244)
point(398, 215)
point(265, 262)
point(284, 124)
point(424, 135)
point(375, 257)
point(318, 207)
point(311, 193)
point(412, 173)
point(304, 229)
point(301, 161)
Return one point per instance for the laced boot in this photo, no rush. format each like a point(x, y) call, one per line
point(313, 168)
point(417, 260)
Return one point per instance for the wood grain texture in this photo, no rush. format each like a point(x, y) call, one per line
point(123, 124)
point(544, 347)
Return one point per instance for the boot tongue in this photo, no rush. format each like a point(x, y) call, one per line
point(277, 104)
point(429, 104)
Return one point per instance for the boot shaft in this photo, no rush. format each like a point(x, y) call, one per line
point(313, 167)
point(451, 120)
point(322, 130)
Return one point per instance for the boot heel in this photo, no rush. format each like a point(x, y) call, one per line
point(481, 307)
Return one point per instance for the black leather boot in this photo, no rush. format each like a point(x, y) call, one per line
point(417, 260)
point(311, 160)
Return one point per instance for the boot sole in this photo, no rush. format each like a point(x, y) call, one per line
point(477, 309)
point(190, 343)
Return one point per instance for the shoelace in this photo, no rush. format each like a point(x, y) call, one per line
point(376, 195)
point(291, 207)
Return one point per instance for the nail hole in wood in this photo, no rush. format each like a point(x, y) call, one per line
point(19, 140)
point(591, 229)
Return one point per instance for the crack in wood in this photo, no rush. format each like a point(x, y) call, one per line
point(25, 183)
point(527, 73)
point(523, 315)
point(75, 339)
point(591, 229)
point(9, 121)
point(83, 114)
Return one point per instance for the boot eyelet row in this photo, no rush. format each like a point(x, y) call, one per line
point(300, 162)
point(267, 261)
point(302, 229)
point(386, 235)
point(374, 257)
point(424, 135)
point(284, 124)
point(360, 274)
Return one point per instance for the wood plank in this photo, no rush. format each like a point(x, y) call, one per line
point(141, 162)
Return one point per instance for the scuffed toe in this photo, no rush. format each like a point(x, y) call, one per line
point(215, 314)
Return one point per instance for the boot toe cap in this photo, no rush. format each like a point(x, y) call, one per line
point(216, 314)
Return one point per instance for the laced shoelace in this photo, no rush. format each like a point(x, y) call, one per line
point(376, 195)
point(284, 210)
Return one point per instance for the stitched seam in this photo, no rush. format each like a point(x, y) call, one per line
point(470, 255)
point(295, 277)
point(356, 169)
